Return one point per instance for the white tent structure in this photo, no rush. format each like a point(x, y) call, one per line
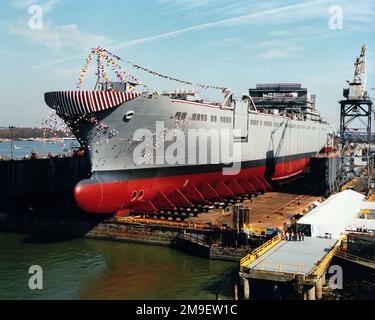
point(334, 216)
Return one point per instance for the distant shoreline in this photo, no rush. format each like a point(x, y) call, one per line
point(37, 139)
point(32, 134)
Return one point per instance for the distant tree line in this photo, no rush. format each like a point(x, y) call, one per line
point(27, 133)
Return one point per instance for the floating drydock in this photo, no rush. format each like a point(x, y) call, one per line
point(41, 183)
point(39, 198)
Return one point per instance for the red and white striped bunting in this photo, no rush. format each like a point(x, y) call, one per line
point(73, 103)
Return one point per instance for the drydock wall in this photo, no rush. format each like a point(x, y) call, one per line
point(323, 174)
point(41, 182)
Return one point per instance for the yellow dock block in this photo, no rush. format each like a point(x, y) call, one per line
point(254, 230)
point(367, 211)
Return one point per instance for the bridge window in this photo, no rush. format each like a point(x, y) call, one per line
point(226, 119)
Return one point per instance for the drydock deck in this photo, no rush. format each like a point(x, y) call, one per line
point(271, 209)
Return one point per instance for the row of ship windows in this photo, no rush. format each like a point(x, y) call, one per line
point(201, 117)
point(279, 124)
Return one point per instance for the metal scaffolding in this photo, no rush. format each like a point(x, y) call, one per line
point(355, 128)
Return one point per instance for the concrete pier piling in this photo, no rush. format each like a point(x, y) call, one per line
point(311, 293)
point(246, 288)
point(235, 292)
point(319, 289)
point(304, 295)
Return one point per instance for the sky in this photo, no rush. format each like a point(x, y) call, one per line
point(234, 44)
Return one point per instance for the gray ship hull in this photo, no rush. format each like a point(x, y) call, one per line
point(144, 157)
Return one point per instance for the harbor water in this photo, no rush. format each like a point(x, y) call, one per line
point(94, 269)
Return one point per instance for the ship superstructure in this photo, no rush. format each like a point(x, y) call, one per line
point(286, 98)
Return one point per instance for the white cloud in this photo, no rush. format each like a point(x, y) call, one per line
point(50, 5)
point(281, 33)
point(21, 4)
point(295, 10)
point(185, 5)
point(276, 49)
point(303, 11)
point(225, 42)
point(278, 53)
point(47, 6)
point(211, 8)
point(59, 37)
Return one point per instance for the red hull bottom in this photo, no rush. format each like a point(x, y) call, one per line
point(153, 194)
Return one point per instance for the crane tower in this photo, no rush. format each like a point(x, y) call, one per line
point(355, 127)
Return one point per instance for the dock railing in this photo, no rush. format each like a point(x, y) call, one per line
point(165, 223)
point(255, 254)
point(351, 257)
point(323, 264)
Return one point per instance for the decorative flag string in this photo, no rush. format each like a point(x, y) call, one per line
point(85, 68)
point(112, 60)
point(136, 66)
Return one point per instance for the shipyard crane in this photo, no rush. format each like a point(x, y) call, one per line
point(355, 127)
point(358, 86)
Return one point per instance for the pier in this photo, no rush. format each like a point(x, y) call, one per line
point(279, 260)
point(303, 262)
